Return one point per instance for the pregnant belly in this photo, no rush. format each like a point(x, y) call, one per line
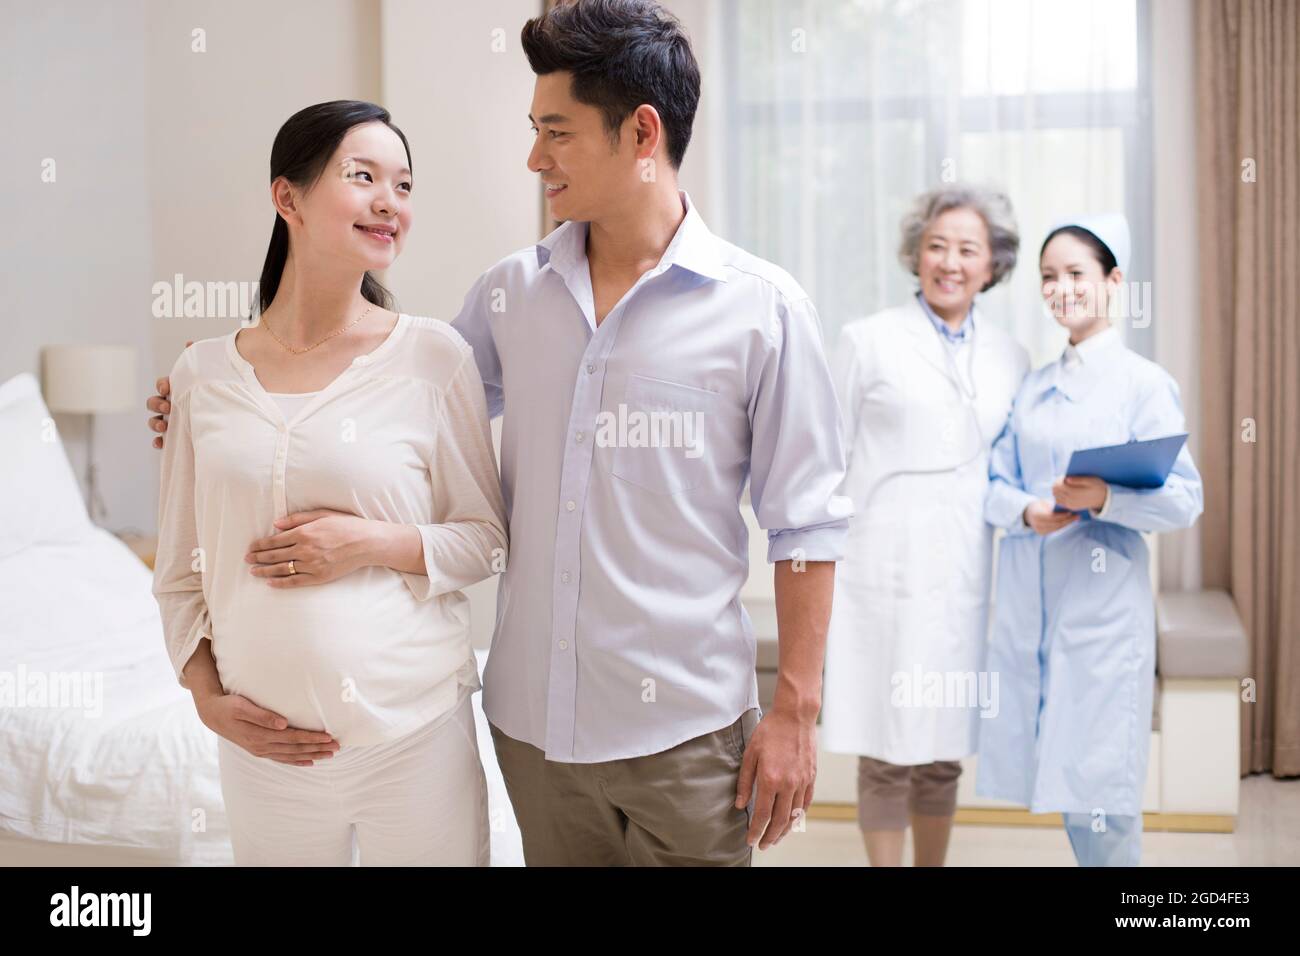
point(359, 662)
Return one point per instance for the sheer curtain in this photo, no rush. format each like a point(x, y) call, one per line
point(840, 111)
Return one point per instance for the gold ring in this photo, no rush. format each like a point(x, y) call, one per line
point(292, 569)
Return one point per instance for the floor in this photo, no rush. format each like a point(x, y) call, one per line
point(1267, 834)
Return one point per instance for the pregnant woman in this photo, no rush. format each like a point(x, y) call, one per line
point(375, 424)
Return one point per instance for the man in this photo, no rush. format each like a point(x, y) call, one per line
point(646, 369)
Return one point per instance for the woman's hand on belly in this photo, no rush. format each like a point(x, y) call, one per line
point(323, 546)
point(261, 732)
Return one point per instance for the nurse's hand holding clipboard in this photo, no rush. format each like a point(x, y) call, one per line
point(1043, 518)
point(1080, 492)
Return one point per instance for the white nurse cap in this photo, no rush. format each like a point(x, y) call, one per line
point(1111, 228)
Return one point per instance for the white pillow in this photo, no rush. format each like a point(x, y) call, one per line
point(40, 500)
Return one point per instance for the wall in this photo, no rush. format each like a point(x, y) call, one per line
point(76, 253)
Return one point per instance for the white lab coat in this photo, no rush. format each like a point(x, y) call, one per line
point(911, 594)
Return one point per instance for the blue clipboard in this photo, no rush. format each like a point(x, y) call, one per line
point(1135, 464)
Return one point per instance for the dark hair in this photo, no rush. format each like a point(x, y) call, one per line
point(1100, 251)
point(622, 54)
point(301, 150)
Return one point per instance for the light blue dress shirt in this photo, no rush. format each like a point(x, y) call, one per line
point(964, 331)
point(620, 630)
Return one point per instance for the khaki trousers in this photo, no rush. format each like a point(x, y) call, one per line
point(673, 808)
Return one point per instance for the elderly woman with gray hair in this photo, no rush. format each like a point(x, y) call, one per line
point(924, 388)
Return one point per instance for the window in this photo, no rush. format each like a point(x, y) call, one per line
point(841, 111)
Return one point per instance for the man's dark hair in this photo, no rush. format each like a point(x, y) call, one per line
point(622, 53)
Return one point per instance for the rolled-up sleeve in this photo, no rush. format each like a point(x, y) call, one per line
point(797, 457)
point(467, 542)
point(180, 562)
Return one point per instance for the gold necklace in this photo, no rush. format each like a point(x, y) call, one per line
point(322, 341)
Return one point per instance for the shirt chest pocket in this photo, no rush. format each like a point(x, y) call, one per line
point(659, 435)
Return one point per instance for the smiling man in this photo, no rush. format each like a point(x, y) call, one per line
point(647, 370)
point(620, 687)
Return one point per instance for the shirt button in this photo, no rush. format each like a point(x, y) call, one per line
point(569, 506)
point(564, 576)
point(564, 645)
point(579, 436)
point(590, 369)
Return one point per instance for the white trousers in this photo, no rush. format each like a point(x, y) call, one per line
point(419, 800)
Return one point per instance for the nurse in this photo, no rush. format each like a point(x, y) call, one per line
point(1073, 637)
point(924, 389)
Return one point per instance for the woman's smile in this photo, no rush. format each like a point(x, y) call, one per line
point(379, 232)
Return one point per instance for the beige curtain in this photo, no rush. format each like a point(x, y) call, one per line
point(1248, 168)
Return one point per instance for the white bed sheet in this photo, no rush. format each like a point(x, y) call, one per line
point(138, 770)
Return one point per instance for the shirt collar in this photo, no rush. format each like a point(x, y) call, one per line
point(1089, 347)
point(963, 331)
point(693, 246)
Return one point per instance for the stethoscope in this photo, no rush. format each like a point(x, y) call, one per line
point(970, 395)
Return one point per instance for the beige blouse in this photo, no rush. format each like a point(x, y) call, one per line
point(401, 435)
